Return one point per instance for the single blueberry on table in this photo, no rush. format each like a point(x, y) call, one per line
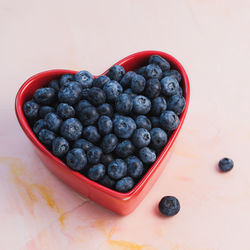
point(155, 121)
point(124, 185)
point(124, 104)
point(100, 81)
point(169, 86)
point(153, 88)
point(109, 143)
point(94, 155)
point(81, 105)
point(147, 155)
point(53, 122)
point(45, 96)
point(88, 115)
point(161, 62)
point(141, 105)
point(107, 182)
point(71, 129)
point(76, 159)
point(159, 138)
point(135, 167)
point(65, 111)
point(169, 120)
point(130, 92)
point(117, 169)
point(60, 146)
point(226, 164)
point(83, 144)
point(55, 85)
point(96, 96)
point(124, 126)
point(70, 94)
point(30, 109)
point(176, 103)
point(153, 71)
point(39, 124)
point(112, 90)
point(173, 73)
point(141, 138)
point(46, 137)
point(44, 110)
point(105, 109)
point(85, 78)
point(106, 159)
point(66, 79)
point(169, 206)
point(124, 149)
point(105, 125)
point(126, 80)
point(159, 105)
point(141, 71)
point(116, 73)
point(96, 172)
point(138, 84)
point(143, 122)
point(91, 134)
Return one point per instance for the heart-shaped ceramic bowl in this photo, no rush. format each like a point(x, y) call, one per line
point(121, 203)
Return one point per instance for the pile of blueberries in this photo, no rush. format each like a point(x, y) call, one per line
point(112, 128)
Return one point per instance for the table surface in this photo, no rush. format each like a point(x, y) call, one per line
point(212, 41)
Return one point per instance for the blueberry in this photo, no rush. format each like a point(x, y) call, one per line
point(141, 138)
point(155, 121)
point(143, 122)
point(81, 105)
point(147, 155)
point(124, 126)
point(124, 185)
point(65, 111)
point(142, 71)
point(53, 122)
point(44, 110)
point(153, 71)
point(55, 85)
point(153, 88)
point(46, 137)
point(71, 129)
point(180, 91)
point(66, 79)
point(112, 90)
point(85, 93)
point(158, 138)
point(94, 155)
point(30, 109)
point(159, 105)
point(124, 104)
point(126, 80)
point(173, 73)
point(161, 62)
point(107, 182)
point(169, 86)
point(100, 81)
point(176, 103)
point(169, 120)
point(117, 169)
point(105, 109)
point(45, 96)
point(130, 92)
point(141, 105)
point(116, 73)
point(105, 125)
point(169, 206)
point(138, 84)
point(106, 159)
point(91, 134)
point(96, 96)
point(96, 172)
point(70, 94)
point(135, 167)
point(84, 78)
point(76, 159)
point(88, 115)
point(125, 148)
point(109, 143)
point(226, 164)
point(60, 146)
point(83, 144)
point(39, 124)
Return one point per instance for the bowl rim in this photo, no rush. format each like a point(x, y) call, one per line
point(139, 186)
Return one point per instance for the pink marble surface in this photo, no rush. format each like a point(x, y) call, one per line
point(212, 40)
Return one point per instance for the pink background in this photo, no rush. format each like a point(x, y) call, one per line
point(211, 39)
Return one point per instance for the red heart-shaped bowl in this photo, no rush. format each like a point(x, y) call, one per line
point(121, 203)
